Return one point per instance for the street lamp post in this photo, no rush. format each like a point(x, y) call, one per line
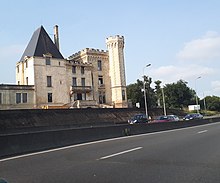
point(204, 102)
point(145, 97)
point(197, 108)
point(164, 104)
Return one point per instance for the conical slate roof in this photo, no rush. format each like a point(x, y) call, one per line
point(41, 44)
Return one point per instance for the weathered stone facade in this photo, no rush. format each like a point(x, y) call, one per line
point(17, 96)
point(88, 78)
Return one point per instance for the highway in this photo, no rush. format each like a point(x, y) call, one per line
point(189, 155)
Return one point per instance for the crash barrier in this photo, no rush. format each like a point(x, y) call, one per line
point(20, 143)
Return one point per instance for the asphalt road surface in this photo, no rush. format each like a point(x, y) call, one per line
point(189, 155)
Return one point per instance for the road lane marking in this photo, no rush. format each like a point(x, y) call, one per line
point(101, 141)
point(202, 131)
point(119, 153)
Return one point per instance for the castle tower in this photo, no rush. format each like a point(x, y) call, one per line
point(115, 47)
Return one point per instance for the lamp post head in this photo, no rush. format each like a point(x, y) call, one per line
point(148, 65)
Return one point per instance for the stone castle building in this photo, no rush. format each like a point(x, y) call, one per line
point(88, 78)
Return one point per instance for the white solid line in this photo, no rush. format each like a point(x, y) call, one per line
point(119, 153)
point(101, 141)
point(202, 131)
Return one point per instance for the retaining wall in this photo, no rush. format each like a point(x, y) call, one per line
point(32, 120)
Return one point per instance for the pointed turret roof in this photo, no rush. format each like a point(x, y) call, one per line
point(41, 44)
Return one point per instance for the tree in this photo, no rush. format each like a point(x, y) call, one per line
point(213, 103)
point(178, 95)
point(135, 93)
point(158, 92)
point(150, 93)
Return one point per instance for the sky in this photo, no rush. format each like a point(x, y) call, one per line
point(180, 39)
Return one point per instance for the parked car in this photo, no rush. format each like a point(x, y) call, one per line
point(138, 118)
point(168, 118)
point(193, 116)
point(175, 117)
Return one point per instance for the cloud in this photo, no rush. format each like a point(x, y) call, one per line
point(206, 48)
point(215, 86)
point(171, 73)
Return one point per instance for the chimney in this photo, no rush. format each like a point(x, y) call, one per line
point(56, 37)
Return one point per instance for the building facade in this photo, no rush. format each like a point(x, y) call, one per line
point(88, 78)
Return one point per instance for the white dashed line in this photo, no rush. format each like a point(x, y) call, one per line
point(202, 131)
point(119, 153)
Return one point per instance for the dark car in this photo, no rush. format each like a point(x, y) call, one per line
point(193, 116)
point(138, 118)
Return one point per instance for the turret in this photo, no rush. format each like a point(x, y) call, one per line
point(115, 47)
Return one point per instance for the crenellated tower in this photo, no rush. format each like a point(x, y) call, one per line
point(115, 47)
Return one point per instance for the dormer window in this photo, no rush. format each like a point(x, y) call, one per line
point(47, 56)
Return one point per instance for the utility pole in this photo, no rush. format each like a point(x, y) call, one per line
point(145, 97)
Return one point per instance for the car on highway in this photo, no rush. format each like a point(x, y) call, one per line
point(168, 118)
point(138, 118)
point(193, 116)
point(174, 117)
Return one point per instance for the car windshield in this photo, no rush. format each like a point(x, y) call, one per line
point(140, 116)
point(162, 118)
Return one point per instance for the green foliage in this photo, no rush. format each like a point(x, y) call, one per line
point(135, 93)
point(177, 95)
point(158, 92)
point(212, 103)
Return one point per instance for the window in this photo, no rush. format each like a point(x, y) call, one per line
point(74, 69)
point(79, 96)
point(83, 96)
point(26, 64)
point(17, 68)
point(75, 96)
point(18, 98)
point(82, 70)
point(74, 83)
point(49, 96)
point(102, 99)
point(47, 60)
point(26, 80)
point(0, 98)
point(100, 81)
point(18, 82)
point(24, 97)
point(83, 81)
point(99, 65)
point(21, 98)
point(123, 94)
point(49, 81)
